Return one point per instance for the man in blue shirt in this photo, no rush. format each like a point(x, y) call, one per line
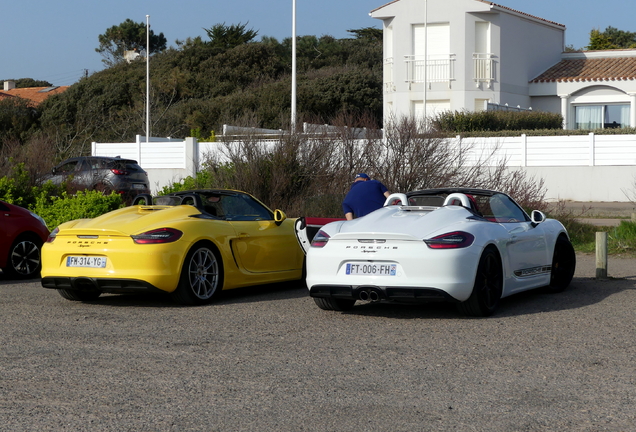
point(365, 196)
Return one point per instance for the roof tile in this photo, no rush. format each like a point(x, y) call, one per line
point(590, 69)
point(35, 94)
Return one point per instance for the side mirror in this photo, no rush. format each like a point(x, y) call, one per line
point(537, 217)
point(279, 216)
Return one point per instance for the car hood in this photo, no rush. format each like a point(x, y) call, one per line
point(129, 220)
point(393, 222)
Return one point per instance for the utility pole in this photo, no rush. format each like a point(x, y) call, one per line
point(147, 80)
point(293, 89)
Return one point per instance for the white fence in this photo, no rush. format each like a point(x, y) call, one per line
point(577, 167)
point(559, 151)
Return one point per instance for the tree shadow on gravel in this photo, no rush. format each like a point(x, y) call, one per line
point(581, 293)
point(6, 280)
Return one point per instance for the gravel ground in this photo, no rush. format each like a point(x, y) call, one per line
point(267, 359)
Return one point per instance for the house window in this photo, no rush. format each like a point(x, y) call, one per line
point(483, 59)
point(434, 40)
point(601, 116)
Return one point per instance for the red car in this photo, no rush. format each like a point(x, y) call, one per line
point(22, 234)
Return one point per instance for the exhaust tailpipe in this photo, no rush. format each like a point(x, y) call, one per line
point(370, 294)
point(374, 296)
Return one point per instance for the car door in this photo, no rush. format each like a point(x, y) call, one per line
point(307, 227)
point(88, 172)
point(261, 245)
point(525, 246)
point(6, 232)
point(66, 171)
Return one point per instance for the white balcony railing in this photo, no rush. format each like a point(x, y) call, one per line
point(439, 68)
point(483, 68)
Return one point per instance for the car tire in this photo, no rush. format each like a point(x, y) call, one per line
point(201, 277)
point(84, 296)
point(563, 265)
point(25, 260)
point(488, 287)
point(334, 304)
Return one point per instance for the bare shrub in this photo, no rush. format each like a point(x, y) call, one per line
point(275, 171)
point(38, 154)
point(409, 159)
point(630, 194)
point(311, 173)
point(412, 159)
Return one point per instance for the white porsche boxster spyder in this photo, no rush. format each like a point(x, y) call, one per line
point(469, 246)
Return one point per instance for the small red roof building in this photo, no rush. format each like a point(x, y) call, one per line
point(34, 94)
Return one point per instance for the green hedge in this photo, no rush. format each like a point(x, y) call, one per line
point(492, 121)
point(87, 204)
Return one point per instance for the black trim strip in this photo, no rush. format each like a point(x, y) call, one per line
point(533, 271)
point(417, 294)
point(104, 285)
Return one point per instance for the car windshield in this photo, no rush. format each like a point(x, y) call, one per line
point(500, 208)
point(223, 205)
point(235, 207)
point(493, 207)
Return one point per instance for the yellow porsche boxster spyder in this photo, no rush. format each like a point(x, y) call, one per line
point(191, 244)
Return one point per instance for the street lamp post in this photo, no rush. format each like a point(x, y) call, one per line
point(147, 80)
point(293, 89)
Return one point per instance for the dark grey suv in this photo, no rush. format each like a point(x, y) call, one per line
point(123, 176)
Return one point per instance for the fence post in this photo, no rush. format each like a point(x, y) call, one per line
point(601, 255)
point(592, 144)
point(524, 150)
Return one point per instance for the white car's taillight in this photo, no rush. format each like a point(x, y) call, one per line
point(451, 240)
point(161, 235)
point(320, 239)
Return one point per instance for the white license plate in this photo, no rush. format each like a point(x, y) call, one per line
point(138, 186)
point(371, 269)
point(86, 261)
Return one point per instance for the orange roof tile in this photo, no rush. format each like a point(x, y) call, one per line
point(590, 69)
point(35, 94)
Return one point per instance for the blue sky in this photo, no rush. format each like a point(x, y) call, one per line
point(55, 40)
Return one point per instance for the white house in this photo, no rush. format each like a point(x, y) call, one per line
point(592, 89)
point(477, 52)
